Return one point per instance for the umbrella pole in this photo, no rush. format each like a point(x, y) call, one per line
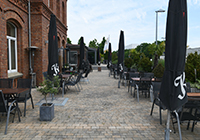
point(167, 130)
point(178, 121)
point(119, 80)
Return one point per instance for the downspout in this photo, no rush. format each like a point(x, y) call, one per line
point(29, 35)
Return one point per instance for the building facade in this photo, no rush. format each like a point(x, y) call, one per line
point(15, 59)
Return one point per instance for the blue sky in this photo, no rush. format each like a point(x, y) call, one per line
point(94, 19)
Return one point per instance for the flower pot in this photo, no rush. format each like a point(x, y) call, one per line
point(193, 89)
point(99, 68)
point(46, 112)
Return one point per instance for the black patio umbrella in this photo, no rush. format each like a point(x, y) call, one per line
point(120, 56)
point(98, 57)
point(53, 67)
point(109, 55)
point(82, 51)
point(173, 88)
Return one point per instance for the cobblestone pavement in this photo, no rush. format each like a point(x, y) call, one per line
point(100, 111)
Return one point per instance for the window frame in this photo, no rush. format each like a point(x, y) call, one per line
point(9, 39)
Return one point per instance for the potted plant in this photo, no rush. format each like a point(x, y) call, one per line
point(195, 87)
point(48, 87)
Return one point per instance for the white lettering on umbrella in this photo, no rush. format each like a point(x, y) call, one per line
point(55, 67)
point(179, 80)
point(121, 68)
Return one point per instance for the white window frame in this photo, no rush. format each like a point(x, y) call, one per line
point(9, 39)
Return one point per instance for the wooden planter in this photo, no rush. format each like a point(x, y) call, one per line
point(46, 112)
point(99, 68)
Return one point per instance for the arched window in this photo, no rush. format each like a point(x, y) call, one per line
point(12, 47)
point(58, 8)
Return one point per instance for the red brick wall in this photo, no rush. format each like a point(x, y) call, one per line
point(40, 16)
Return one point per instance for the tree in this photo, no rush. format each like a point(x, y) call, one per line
point(79, 41)
point(93, 44)
point(143, 48)
point(101, 45)
point(69, 41)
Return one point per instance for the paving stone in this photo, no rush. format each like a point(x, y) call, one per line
point(100, 111)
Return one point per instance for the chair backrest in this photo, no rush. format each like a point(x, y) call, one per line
point(188, 88)
point(78, 77)
point(2, 103)
point(24, 83)
point(6, 83)
point(156, 88)
point(133, 74)
point(87, 72)
point(45, 75)
point(149, 75)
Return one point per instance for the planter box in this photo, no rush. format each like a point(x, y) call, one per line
point(195, 90)
point(46, 112)
point(99, 68)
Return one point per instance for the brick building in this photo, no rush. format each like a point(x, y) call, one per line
point(14, 37)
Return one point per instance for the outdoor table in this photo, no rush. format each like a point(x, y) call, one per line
point(65, 77)
point(12, 93)
point(145, 79)
point(192, 95)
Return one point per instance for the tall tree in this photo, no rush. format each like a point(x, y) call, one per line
point(79, 41)
point(101, 45)
point(93, 44)
point(69, 41)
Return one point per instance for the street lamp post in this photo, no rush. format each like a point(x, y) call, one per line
point(160, 10)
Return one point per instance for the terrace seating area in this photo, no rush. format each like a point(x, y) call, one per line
point(101, 110)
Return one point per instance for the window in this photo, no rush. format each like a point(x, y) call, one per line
point(58, 8)
point(73, 57)
point(12, 47)
point(63, 12)
point(51, 4)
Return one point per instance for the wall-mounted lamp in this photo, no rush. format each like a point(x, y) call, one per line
point(46, 42)
point(32, 49)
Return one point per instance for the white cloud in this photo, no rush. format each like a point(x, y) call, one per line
point(97, 19)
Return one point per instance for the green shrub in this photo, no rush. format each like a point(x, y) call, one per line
point(158, 71)
point(128, 62)
point(192, 62)
point(144, 64)
point(115, 62)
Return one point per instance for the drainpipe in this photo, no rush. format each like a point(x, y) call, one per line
point(29, 35)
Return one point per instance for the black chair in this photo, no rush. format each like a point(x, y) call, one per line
point(75, 82)
point(45, 75)
point(6, 83)
point(24, 96)
point(156, 90)
point(143, 85)
point(131, 83)
point(4, 108)
point(85, 77)
point(189, 111)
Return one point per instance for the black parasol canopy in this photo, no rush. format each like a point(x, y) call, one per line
point(98, 57)
point(121, 53)
point(109, 55)
point(173, 88)
point(82, 51)
point(53, 67)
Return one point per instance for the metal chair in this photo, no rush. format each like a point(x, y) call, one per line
point(156, 90)
point(24, 96)
point(4, 108)
point(189, 111)
point(6, 83)
point(75, 82)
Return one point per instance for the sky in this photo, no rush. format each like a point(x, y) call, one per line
point(95, 19)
